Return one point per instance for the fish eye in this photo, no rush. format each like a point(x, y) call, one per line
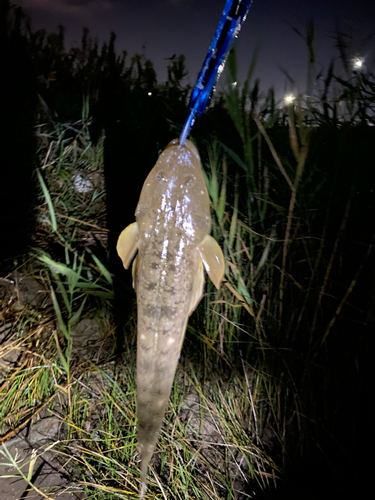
point(189, 180)
point(161, 177)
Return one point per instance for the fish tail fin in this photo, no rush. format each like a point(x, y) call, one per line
point(144, 469)
point(150, 411)
point(143, 488)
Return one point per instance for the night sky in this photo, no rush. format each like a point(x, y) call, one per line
point(161, 28)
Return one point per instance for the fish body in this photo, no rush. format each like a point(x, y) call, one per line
point(172, 236)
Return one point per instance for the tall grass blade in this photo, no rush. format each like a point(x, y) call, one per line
point(75, 317)
point(48, 200)
point(233, 222)
point(103, 269)
point(60, 320)
point(223, 195)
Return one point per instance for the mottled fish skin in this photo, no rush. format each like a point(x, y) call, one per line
point(172, 220)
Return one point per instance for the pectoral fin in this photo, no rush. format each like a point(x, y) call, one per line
point(213, 259)
point(127, 244)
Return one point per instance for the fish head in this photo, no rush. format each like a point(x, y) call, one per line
point(175, 195)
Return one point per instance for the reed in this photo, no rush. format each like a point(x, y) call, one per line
point(264, 356)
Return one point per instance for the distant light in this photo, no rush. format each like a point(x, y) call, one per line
point(288, 99)
point(234, 84)
point(150, 93)
point(358, 62)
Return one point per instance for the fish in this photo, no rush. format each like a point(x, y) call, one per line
point(172, 237)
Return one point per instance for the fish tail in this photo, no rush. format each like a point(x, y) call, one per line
point(151, 408)
point(145, 460)
point(143, 487)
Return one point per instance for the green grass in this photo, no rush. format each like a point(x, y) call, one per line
point(253, 394)
point(96, 405)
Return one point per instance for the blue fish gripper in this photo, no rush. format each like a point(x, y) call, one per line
point(232, 17)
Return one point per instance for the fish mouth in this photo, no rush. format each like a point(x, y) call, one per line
point(188, 145)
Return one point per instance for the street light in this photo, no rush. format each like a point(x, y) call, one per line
point(358, 62)
point(289, 98)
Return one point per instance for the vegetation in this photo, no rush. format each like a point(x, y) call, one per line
point(273, 381)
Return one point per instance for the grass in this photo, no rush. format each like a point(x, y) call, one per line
point(96, 404)
point(253, 394)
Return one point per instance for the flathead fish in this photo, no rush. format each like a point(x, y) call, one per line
point(172, 237)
